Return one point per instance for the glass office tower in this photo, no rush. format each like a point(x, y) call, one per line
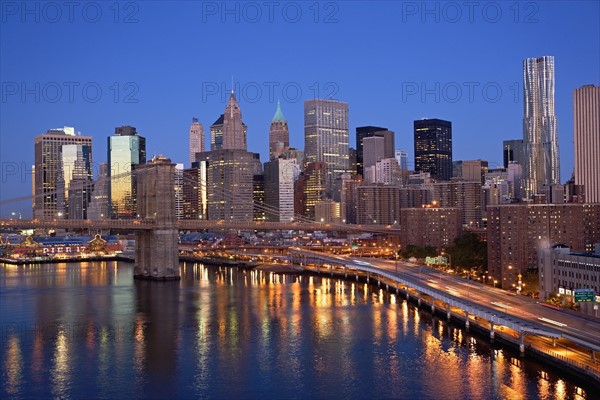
point(126, 150)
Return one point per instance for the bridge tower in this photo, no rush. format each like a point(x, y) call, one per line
point(156, 253)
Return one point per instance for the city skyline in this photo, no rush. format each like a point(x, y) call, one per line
point(391, 94)
point(241, 197)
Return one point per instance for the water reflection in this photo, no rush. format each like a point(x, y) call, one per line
point(88, 330)
point(13, 365)
point(60, 372)
point(158, 334)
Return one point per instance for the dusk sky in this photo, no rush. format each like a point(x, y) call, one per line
point(155, 65)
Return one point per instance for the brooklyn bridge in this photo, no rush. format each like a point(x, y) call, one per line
point(157, 227)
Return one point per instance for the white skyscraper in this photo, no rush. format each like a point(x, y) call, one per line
point(402, 158)
point(540, 137)
point(280, 175)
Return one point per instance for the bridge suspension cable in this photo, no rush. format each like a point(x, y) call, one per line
point(226, 192)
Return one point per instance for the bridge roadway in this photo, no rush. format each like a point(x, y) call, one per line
point(192, 225)
point(519, 313)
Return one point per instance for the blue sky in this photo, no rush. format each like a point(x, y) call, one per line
point(155, 65)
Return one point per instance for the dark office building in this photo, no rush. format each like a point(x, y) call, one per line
point(433, 148)
point(352, 160)
point(512, 151)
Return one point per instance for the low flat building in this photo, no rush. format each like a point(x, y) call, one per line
point(561, 271)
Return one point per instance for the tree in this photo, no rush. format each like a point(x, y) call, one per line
point(469, 252)
point(530, 280)
point(418, 252)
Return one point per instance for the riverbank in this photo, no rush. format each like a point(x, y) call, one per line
point(223, 262)
point(48, 260)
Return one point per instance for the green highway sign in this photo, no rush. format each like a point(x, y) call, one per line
point(435, 260)
point(583, 295)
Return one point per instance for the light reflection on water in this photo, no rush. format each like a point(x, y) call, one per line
point(89, 330)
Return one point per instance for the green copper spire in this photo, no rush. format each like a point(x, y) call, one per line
point(278, 115)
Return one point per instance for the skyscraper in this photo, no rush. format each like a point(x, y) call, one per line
point(194, 192)
point(196, 139)
point(229, 183)
point(363, 132)
point(326, 137)
point(98, 207)
point(310, 189)
point(216, 134)
point(512, 151)
point(178, 184)
point(586, 121)
point(230, 169)
point(76, 179)
point(402, 158)
point(258, 196)
point(349, 197)
point(57, 164)
point(279, 178)
point(373, 150)
point(540, 138)
point(279, 135)
point(352, 160)
point(234, 130)
point(433, 147)
point(126, 150)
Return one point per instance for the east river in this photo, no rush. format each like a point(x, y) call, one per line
point(88, 330)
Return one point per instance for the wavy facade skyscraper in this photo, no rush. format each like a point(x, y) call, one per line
point(540, 136)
